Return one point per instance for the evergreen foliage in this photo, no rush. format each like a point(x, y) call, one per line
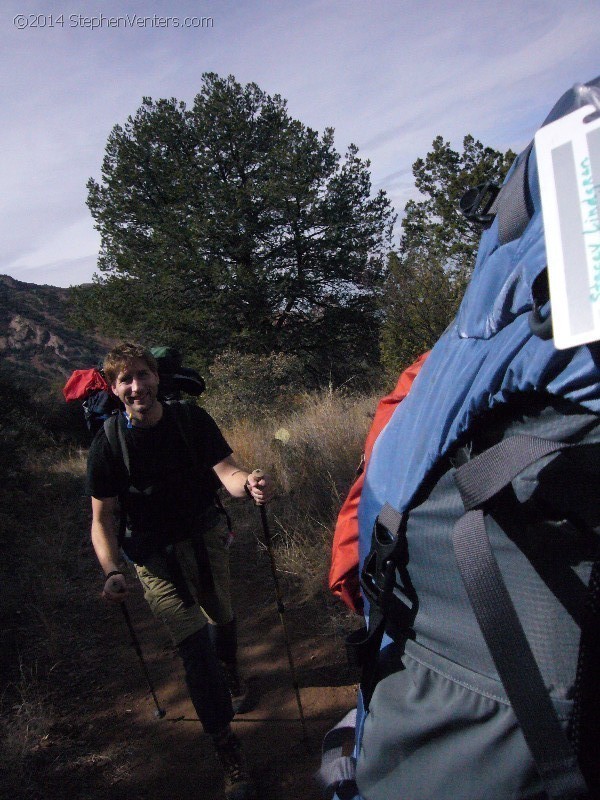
point(250, 386)
point(231, 224)
point(438, 247)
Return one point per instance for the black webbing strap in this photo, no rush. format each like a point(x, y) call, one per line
point(484, 476)
point(478, 481)
point(118, 447)
point(583, 726)
point(116, 439)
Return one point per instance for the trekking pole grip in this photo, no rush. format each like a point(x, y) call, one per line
point(258, 474)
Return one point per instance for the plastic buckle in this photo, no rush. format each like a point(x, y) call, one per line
point(475, 204)
point(389, 550)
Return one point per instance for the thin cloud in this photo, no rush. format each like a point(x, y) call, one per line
point(387, 76)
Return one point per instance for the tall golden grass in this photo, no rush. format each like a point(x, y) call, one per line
point(312, 453)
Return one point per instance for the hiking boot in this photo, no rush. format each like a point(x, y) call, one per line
point(238, 688)
point(238, 784)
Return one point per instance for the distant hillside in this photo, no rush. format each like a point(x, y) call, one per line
point(37, 342)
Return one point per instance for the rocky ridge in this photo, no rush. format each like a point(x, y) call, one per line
point(38, 342)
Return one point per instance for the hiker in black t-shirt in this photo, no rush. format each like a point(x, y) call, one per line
point(152, 481)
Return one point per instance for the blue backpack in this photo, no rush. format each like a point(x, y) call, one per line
point(479, 522)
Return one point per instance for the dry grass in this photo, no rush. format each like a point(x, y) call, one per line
point(42, 518)
point(312, 454)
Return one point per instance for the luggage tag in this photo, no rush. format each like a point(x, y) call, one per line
point(568, 158)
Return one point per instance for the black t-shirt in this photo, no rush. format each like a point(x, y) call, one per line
point(171, 485)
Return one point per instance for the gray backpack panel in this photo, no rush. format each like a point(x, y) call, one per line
point(439, 704)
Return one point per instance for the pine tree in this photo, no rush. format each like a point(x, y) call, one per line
point(438, 247)
point(232, 225)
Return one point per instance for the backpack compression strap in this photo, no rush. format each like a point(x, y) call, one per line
point(393, 602)
point(478, 481)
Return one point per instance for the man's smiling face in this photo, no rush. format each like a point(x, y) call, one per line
point(136, 386)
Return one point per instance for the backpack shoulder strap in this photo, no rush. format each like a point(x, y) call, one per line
point(118, 448)
point(513, 206)
point(182, 414)
point(116, 439)
point(478, 481)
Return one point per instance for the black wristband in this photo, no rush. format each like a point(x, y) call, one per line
point(114, 572)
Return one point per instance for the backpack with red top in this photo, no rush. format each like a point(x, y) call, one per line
point(91, 389)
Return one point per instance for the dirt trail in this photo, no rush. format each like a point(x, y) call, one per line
point(109, 744)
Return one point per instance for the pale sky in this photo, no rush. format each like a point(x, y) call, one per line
point(387, 76)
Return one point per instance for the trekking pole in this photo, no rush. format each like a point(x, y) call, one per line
point(258, 474)
point(160, 712)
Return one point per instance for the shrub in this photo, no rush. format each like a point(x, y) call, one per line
point(253, 386)
point(21, 430)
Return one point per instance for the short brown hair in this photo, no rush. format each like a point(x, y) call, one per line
point(123, 354)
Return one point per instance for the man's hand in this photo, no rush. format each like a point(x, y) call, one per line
point(260, 487)
point(115, 589)
point(235, 479)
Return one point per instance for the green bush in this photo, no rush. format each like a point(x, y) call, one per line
point(253, 386)
point(20, 431)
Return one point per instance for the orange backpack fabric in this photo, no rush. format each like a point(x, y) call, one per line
point(343, 573)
